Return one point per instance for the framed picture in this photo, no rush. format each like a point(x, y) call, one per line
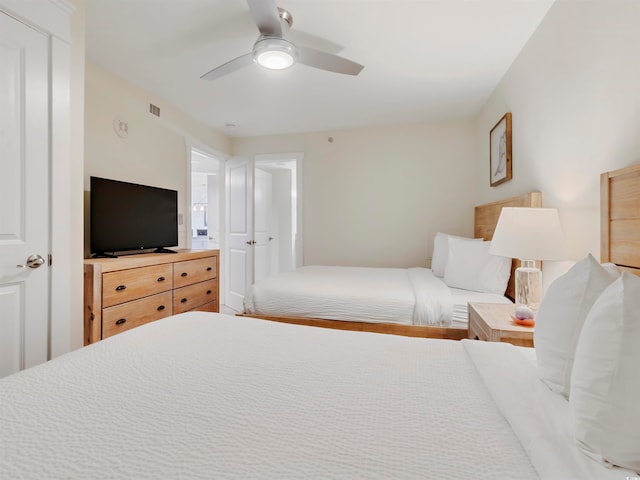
point(500, 151)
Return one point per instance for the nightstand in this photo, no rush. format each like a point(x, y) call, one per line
point(492, 322)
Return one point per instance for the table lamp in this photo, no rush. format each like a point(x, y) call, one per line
point(528, 234)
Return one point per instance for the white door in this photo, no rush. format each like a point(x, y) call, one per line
point(239, 177)
point(24, 196)
point(262, 224)
point(249, 230)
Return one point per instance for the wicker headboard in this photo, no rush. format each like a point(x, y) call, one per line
point(486, 217)
point(620, 218)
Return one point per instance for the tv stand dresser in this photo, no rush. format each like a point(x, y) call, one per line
point(128, 291)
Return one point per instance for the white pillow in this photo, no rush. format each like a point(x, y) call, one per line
point(470, 266)
point(441, 252)
point(605, 384)
point(612, 269)
point(560, 318)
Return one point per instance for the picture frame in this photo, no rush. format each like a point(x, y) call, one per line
point(500, 151)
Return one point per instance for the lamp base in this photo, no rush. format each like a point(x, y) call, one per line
point(528, 285)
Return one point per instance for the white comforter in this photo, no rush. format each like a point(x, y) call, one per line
point(411, 296)
point(203, 396)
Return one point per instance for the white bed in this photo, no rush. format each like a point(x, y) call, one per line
point(406, 296)
point(204, 395)
point(388, 300)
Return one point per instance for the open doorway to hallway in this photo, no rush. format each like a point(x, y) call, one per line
point(205, 221)
point(205, 201)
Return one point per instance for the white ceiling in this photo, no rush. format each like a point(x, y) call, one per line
point(424, 59)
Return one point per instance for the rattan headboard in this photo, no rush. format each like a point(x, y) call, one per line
point(486, 217)
point(620, 218)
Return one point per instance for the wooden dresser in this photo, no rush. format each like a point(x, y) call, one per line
point(125, 292)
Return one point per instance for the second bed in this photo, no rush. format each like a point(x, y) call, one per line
point(403, 301)
point(402, 296)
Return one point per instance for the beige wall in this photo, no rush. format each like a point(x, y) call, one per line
point(575, 98)
point(154, 152)
point(376, 196)
point(372, 197)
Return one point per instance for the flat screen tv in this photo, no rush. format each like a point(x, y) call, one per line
point(127, 216)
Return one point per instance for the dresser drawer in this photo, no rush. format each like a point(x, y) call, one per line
point(193, 271)
point(138, 312)
point(478, 330)
point(476, 333)
point(192, 296)
point(207, 307)
point(126, 285)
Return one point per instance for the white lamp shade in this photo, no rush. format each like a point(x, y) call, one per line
point(529, 233)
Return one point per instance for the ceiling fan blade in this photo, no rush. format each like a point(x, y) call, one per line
point(229, 67)
point(328, 61)
point(313, 41)
point(265, 14)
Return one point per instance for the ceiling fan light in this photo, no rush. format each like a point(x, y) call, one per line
point(275, 60)
point(275, 53)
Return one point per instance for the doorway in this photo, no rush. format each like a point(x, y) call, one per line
point(264, 218)
point(204, 231)
point(203, 226)
point(275, 220)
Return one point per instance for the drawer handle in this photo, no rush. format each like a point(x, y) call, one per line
point(184, 300)
point(119, 288)
point(161, 279)
point(160, 308)
point(209, 269)
point(121, 321)
point(184, 274)
point(208, 292)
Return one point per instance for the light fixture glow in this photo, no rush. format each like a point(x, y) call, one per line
point(275, 60)
point(274, 53)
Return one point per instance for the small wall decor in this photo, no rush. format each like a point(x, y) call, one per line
point(121, 127)
point(500, 151)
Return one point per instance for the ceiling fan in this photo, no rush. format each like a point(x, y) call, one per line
point(271, 50)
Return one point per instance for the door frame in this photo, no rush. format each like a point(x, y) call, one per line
point(298, 158)
point(192, 145)
point(53, 18)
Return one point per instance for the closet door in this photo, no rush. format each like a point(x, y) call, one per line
point(24, 196)
point(262, 213)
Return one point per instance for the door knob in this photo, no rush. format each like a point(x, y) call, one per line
point(250, 242)
point(34, 261)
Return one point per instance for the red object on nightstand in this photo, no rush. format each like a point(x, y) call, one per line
point(525, 322)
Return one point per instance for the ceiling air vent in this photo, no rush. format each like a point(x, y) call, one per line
point(154, 110)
